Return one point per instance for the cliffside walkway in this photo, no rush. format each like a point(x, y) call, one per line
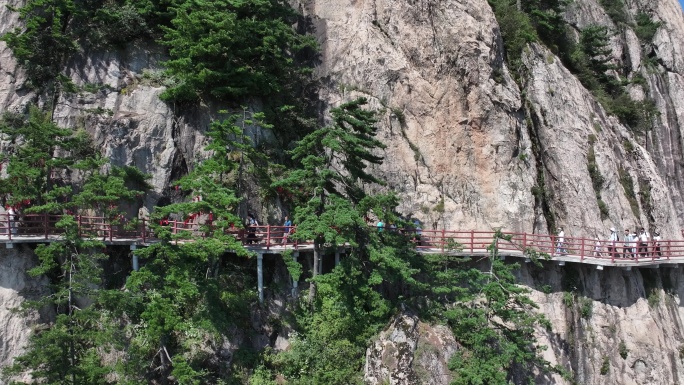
point(41, 228)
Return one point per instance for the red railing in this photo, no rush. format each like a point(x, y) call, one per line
point(27, 227)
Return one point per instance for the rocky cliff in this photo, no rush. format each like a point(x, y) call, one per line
point(468, 147)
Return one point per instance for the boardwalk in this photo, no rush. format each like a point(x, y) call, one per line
point(40, 228)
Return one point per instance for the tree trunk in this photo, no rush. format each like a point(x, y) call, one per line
point(518, 4)
point(312, 287)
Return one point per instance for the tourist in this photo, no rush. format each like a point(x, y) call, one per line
point(627, 241)
point(418, 231)
point(12, 218)
point(612, 243)
point(560, 241)
point(287, 229)
point(656, 244)
point(597, 248)
point(643, 242)
point(252, 224)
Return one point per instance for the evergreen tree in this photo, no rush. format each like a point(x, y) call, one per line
point(231, 49)
point(71, 349)
point(185, 298)
point(40, 160)
point(492, 318)
point(347, 306)
point(332, 178)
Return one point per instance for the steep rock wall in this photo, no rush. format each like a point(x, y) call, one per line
point(15, 287)
point(453, 121)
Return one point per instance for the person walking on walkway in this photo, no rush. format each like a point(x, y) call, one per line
point(643, 242)
point(627, 240)
point(612, 243)
point(560, 241)
point(288, 229)
point(597, 248)
point(656, 245)
point(12, 218)
point(252, 225)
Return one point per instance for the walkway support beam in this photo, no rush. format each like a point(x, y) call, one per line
point(295, 282)
point(134, 257)
point(260, 276)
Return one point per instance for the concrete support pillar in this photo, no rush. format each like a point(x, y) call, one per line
point(136, 262)
point(260, 276)
point(320, 263)
point(295, 283)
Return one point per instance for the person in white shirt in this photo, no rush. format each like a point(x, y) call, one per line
point(643, 242)
point(12, 217)
point(560, 240)
point(597, 248)
point(612, 243)
point(656, 245)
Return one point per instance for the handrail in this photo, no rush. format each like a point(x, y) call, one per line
point(44, 226)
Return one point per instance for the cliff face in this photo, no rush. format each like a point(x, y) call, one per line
point(461, 131)
point(15, 287)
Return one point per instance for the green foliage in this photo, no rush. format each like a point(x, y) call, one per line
point(346, 307)
point(185, 296)
point(646, 28)
point(492, 318)
point(628, 186)
point(535, 20)
point(34, 174)
point(54, 30)
point(616, 10)
point(293, 267)
point(605, 366)
point(69, 351)
point(590, 60)
point(622, 349)
point(229, 48)
point(516, 30)
point(653, 298)
point(586, 307)
point(597, 179)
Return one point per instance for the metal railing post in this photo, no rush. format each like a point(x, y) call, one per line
point(268, 237)
point(45, 223)
point(143, 230)
point(443, 239)
point(583, 251)
point(524, 243)
point(111, 230)
point(9, 226)
point(472, 241)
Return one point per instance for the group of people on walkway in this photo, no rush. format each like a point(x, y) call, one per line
point(629, 245)
point(252, 225)
point(634, 244)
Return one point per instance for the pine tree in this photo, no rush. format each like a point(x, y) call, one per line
point(40, 160)
point(229, 49)
point(185, 298)
point(332, 178)
point(71, 349)
point(492, 318)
